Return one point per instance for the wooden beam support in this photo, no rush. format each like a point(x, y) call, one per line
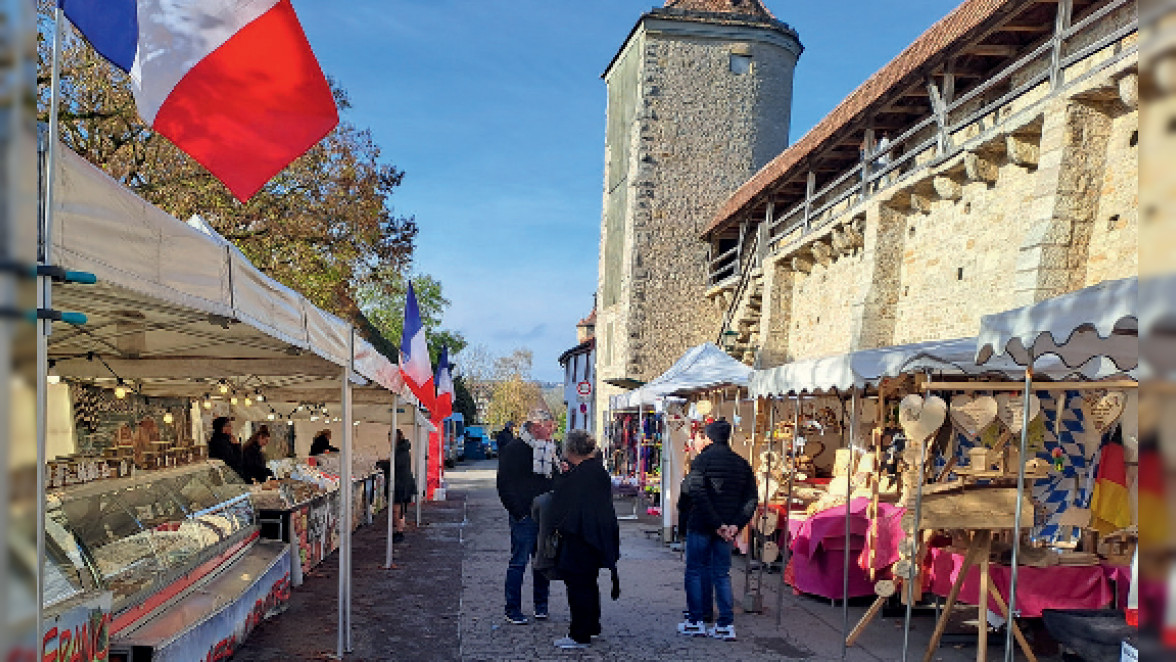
point(992, 50)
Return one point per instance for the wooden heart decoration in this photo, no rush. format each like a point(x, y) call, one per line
point(1010, 409)
point(920, 417)
point(677, 423)
point(973, 414)
point(1103, 409)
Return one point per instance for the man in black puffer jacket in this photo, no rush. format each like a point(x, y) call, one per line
point(518, 485)
point(722, 501)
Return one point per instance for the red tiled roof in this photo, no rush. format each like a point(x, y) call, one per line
point(588, 321)
point(937, 38)
point(744, 7)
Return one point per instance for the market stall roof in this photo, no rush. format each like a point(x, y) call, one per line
point(700, 368)
point(177, 306)
point(864, 368)
point(1097, 321)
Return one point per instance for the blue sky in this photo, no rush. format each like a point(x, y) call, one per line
point(495, 109)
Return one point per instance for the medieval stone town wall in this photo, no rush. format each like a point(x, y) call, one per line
point(1055, 210)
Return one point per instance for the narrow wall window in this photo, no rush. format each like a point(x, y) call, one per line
point(740, 64)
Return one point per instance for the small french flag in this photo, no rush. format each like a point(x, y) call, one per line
point(233, 83)
point(443, 408)
point(414, 353)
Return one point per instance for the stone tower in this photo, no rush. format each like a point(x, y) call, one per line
point(699, 98)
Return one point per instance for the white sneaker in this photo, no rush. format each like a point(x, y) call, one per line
point(723, 632)
point(567, 643)
point(691, 628)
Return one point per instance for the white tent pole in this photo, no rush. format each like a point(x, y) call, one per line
point(853, 407)
point(45, 302)
point(345, 486)
point(392, 480)
point(786, 552)
point(1018, 514)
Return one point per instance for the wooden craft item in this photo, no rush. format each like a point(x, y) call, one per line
point(767, 522)
point(884, 588)
point(1011, 410)
point(920, 418)
point(971, 415)
point(770, 552)
point(1103, 409)
point(987, 508)
point(677, 422)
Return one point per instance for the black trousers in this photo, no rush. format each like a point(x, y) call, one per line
point(584, 603)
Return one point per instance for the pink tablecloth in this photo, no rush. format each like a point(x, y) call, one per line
point(818, 549)
point(1057, 587)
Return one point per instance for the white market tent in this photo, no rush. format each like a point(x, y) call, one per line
point(1079, 327)
point(700, 368)
point(1094, 325)
point(861, 369)
point(177, 307)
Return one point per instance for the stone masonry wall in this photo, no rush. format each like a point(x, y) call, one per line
point(972, 246)
point(706, 132)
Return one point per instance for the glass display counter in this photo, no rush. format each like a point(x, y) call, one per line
point(135, 536)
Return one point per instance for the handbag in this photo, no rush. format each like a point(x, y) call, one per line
point(549, 544)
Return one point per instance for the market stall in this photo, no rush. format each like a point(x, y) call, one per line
point(1097, 325)
point(665, 420)
point(182, 328)
point(887, 426)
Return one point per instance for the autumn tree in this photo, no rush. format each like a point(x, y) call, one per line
point(324, 226)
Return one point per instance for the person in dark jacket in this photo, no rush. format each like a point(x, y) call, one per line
point(223, 445)
point(405, 488)
point(722, 501)
point(518, 485)
point(322, 444)
point(253, 466)
point(590, 538)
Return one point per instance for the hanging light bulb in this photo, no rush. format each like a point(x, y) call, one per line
point(233, 401)
point(259, 396)
point(222, 387)
point(168, 418)
point(313, 418)
point(248, 401)
point(289, 421)
point(272, 415)
point(120, 391)
point(207, 404)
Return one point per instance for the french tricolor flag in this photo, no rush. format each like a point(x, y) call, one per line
point(414, 353)
point(443, 408)
point(233, 83)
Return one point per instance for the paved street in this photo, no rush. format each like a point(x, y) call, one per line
point(419, 611)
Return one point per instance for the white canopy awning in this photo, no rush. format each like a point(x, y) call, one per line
point(1097, 321)
point(700, 368)
point(865, 368)
point(177, 305)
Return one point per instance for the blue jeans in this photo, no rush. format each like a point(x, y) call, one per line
point(708, 573)
point(523, 535)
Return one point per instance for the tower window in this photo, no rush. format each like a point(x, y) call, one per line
point(740, 64)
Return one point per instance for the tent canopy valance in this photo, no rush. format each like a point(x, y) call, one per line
point(177, 306)
point(1078, 327)
point(700, 368)
point(865, 368)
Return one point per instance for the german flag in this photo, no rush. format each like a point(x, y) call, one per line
point(1110, 507)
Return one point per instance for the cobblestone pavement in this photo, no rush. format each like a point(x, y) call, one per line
point(444, 602)
point(642, 624)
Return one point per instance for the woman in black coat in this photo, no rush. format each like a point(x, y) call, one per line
point(253, 466)
point(405, 488)
point(322, 443)
point(590, 538)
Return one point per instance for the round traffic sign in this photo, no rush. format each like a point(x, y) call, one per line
point(584, 388)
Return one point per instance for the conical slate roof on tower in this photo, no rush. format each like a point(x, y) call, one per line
point(753, 8)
